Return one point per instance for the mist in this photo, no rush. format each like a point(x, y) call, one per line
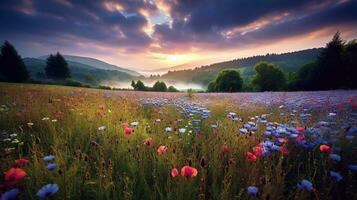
point(178, 85)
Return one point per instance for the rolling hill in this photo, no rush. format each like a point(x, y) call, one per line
point(95, 63)
point(81, 72)
point(289, 62)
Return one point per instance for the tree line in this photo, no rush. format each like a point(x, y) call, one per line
point(159, 86)
point(13, 69)
point(335, 68)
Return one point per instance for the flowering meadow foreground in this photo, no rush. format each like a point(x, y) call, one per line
point(74, 143)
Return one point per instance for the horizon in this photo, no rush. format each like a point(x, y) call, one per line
point(155, 35)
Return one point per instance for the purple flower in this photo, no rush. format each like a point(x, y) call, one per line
point(47, 191)
point(10, 195)
point(352, 167)
point(52, 166)
point(305, 185)
point(336, 176)
point(335, 157)
point(252, 190)
point(49, 158)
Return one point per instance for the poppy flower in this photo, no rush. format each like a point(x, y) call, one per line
point(22, 162)
point(47, 191)
point(305, 185)
point(225, 148)
point(128, 131)
point(258, 151)
point(188, 171)
point(174, 172)
point(148, 141)
point(252, 190)
point(10, 195)
point(14, 175)
point(325, 148)
point(284, 150)
point(251, 157)
point(161, 150)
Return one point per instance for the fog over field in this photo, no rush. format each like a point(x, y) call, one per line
point(177, 85)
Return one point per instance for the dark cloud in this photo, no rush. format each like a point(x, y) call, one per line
point(206, 20)
point(200, 23)
point(86, 20)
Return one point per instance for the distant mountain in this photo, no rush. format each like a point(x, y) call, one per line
point(95, 63)
point(80, 72)
point(289, 62)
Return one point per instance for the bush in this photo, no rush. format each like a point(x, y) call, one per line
point(269, 77)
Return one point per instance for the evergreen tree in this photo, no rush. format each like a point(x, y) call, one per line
point(12, 68)
point(57, 67)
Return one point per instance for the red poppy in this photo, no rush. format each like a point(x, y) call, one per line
point(148, 141)
point(128, 131)
point(251, 157)
point(188, 171)
point(284, 150)
point(22, 162)
point(300, 129)
point(161, 150)
point(258, 152)
point(14, 175)
point(325, 148)
point(174, 172)
point(225, 148)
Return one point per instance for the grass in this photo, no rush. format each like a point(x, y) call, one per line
point(107, 164)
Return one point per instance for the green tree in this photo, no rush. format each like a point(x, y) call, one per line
point(269, 77)
point(57, 67)
point(211, 86)
point(227, 80)
point(12, 68)
point(140, 86)
point(350, 64)
point(172, 89)
point(159, 86)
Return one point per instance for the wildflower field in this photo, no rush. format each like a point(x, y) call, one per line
point(74, 143)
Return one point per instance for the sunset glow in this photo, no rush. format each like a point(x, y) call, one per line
point(156, 34)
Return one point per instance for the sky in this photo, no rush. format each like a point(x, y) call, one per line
point(147, 35)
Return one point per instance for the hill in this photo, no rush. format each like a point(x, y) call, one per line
point(289, 62)
point(95, 63)
point(80, 72)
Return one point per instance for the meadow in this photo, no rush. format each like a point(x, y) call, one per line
point(74, 143)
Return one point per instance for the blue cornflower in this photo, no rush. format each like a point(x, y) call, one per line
point(49, 158)
point(10, 195)
point(47, 191)
point(52, 166)
point(352, 167)
point(305, 185)
point(336, 176)
point(252, 190)
point(335, 157)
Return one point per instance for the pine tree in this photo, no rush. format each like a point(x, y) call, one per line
point(57, 67)
point(12, 68)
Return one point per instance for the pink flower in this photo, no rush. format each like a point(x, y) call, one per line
point(21, 162)
point(251, 157)
point(148, 141)
point(161, 150)
point(14, 175)
point(188, 171)
point(174, 172)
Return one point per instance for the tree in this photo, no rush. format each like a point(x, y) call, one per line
point(159, 86)
point(57, 67)
point(139, 85)
point(172, 89)
point(350, 64)
point(12, 68)
point(269, 77)
point(330, 68)
point(228, 80)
